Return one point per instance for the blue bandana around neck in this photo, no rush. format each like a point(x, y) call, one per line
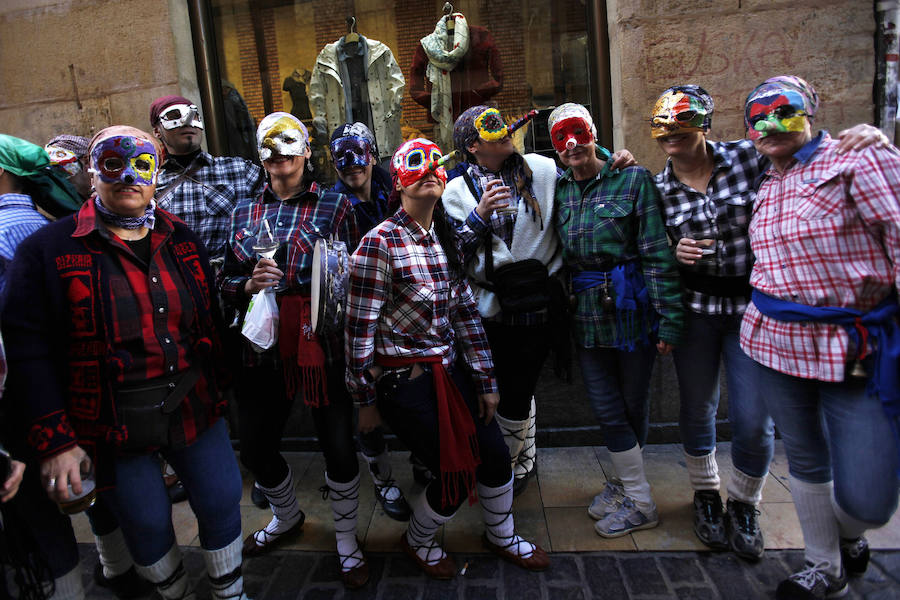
point(147, 219)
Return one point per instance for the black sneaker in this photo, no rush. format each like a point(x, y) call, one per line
point(258, 499)
point(812, 583)
point(709, 519)
point(855, 556)
point(742, 528)
point(127, 585)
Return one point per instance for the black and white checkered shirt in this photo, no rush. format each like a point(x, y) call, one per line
point(205, 199)
point(722, 213)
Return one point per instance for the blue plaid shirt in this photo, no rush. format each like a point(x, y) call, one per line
point(18, 219)
point(205, 199)
point(721, 213)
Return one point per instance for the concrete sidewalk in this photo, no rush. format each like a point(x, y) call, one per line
point(665, 562)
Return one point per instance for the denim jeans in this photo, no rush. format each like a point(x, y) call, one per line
point(837, 431)
point(617, 383)
point(409, 407)
point(209, 472)
point(706, 340)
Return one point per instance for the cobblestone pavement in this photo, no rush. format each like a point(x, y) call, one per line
point(297, 575)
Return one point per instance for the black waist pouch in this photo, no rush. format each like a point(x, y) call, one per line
point(148, 411)
point(522, 286)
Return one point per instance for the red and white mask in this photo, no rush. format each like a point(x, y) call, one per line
point(570, 126)
point(413, 159)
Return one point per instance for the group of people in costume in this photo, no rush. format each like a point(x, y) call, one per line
point(779, 254)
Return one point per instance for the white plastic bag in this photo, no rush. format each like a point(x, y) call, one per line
point(261, 322)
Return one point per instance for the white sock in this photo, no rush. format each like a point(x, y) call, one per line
point(514, 433)
point(69, 586)
point(850, 527)
point(345, 506)
point(114, 554)
point(629, 466)
point(169, 576)
point(423, 525)
point(285, 509)
point(703, 471)
point(223, 567)
point(821, 535)
point(745, 488)
point(527, 456)
point(380, 470)
point(496, 506)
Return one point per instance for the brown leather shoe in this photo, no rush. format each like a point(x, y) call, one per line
point(538, 561)
point(444, 569)
point(357, 577)
point(251, 548)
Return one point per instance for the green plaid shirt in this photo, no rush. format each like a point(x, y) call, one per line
point(615, 220)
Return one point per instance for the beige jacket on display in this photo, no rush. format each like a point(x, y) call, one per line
point(326, 94)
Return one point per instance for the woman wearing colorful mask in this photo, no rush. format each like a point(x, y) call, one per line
point(496, 182)
point(418, 357)
point(823, 324)
point(296, 212)
point(628, 305)
point(707, 191)
point(111, 332)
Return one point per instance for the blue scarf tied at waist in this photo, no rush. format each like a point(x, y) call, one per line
point(630, 293)
point(880, 323)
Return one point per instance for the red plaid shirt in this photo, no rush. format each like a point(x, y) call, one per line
point(826, 232)
point(403, 303)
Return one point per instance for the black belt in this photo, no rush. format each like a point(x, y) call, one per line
point(717, 285)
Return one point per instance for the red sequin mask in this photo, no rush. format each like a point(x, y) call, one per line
point(412, 159)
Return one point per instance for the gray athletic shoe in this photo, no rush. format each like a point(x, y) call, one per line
point(812, 583)
point(608, 500)
point(627, 519)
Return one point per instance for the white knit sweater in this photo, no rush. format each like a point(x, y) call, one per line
point(528, 240)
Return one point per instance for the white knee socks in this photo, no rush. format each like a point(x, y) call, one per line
point(223, 567)
point(629, 466)
point(514, 433)
point(703, 471)
point(380, 470)
point(818, 523)
point(527, 456)
point(496, 506)
point(114, 554)
point(69, 586)
point(745, 488)
point(345, 506)
point(285, 509)
point(169, 576)
point(423, 525)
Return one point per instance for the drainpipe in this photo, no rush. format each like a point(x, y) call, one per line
point(887, 52)
point(203, 36)
point(601, 90)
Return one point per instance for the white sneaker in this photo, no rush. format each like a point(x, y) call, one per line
point(608, 500)
point(627, 519)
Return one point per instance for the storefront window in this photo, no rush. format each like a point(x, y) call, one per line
point(297, 56)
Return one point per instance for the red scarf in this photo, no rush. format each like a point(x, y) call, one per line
point(302, 355)
point(459, 443)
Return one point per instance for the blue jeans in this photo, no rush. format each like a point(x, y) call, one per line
point(707, 338)
point(209, 472)
point(837, 431)
point(618, 385)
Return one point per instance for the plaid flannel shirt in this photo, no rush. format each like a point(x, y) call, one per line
point(721, 213)
point(206, 198)
point(18, 219)
point(402, 302)
point(299, 222)
point(616, 219)
point(826, 232)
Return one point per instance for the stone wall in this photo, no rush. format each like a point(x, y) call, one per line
point(730, 46)
point(76, 66)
